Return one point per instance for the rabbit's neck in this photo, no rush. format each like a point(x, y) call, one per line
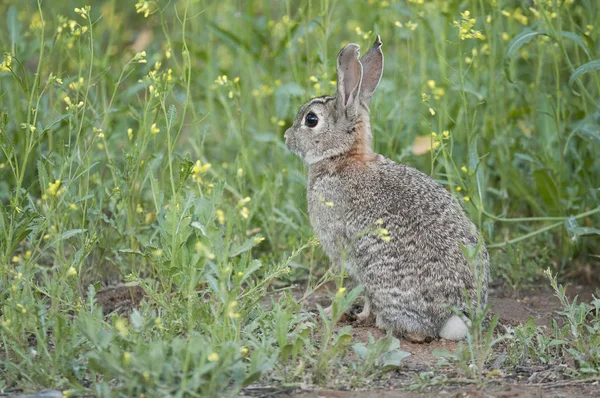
point(358, 156)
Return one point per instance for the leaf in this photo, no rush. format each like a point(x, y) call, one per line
point(578, 40)
point(525, 37)
point(361, 350)
point(233, 39)
point(392, 359)
point(199, 226)
point(67, 234)
point(14, 26)
point(515, 44)
point(547, 188)
point(254, 266)
point(244, 247)
point(583, 69)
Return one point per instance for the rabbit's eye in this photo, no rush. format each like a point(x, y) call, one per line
point(311, 120)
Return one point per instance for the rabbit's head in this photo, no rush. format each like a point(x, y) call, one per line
point(329, 126)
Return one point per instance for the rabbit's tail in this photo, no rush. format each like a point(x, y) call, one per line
point(454, 329)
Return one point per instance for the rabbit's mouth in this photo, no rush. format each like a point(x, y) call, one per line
point(290, 142)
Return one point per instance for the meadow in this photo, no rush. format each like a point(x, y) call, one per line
point(154, 239)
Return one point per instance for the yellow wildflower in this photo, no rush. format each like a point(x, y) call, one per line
point(54, 188)
point(220, 216)
point(213, 357)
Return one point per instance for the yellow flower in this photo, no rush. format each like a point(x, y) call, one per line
point(244, 351)
point(431, 84)
point(213, 357)
point(398, 24)
point(121, 327)
point(154, 130)
point(466, 199)
point(221, 80)
point(83, 11)
point(465, 27)
point(244, 201)
point(436, 144)
point(281, 123)
point(237, 79)
point(231, 310)
point(240, 274)
point(126, 358)
point(200, 168)
point(54, 188)
point(464, 169)
point(258, 239)
point(220, 216)
point(244, 212)
point(230, 95)
point(313, 79)
point(240, 172)
point(458, 189)
point(446, 134)
point(144, 7)
point(431, 111)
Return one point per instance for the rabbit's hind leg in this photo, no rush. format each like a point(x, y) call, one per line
point(407, 327)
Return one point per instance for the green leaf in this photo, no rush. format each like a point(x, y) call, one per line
point(525, 37)
point(66, 235)
point(583, 69)
point(547, 188)
point(244, 247)
point(392, 359)
point(515, 44)
point(361, 350)
point(14, 26)
point(578, 40)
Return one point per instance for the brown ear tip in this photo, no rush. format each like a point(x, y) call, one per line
point(378, 42)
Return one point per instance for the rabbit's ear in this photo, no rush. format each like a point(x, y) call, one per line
point(372, 63)
point(349, 72)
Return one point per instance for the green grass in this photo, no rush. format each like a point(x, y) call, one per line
point(149, 150)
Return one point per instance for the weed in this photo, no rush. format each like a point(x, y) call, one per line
point(141, 144)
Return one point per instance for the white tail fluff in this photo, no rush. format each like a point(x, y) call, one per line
point(454, 329)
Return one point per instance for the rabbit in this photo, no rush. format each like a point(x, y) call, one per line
point(394, 229)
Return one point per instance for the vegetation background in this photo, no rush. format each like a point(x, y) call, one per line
point(141, 143)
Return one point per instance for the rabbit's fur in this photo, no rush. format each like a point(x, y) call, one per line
point(395, 230)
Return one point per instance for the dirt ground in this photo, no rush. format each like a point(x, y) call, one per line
point(513, 308)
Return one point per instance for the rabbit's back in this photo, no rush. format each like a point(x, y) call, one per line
point(401, 234)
